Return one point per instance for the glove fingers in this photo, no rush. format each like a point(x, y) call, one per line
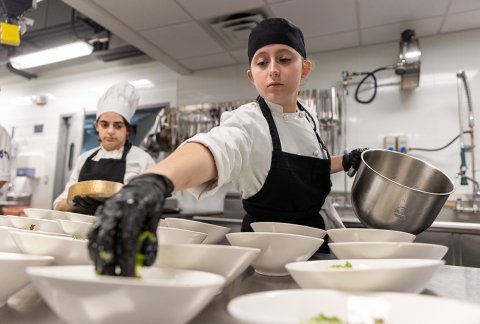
point(102, 242)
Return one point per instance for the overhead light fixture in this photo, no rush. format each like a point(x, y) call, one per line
point(52, 55)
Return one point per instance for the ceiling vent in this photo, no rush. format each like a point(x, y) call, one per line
point(234, 30)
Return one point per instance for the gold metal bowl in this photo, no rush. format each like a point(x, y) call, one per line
point(96, 189)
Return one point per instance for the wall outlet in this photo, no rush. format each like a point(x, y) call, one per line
point(390, 143)
point(402, 144)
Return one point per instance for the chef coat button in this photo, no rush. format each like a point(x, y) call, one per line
point(301, 114)
point(285, 117)
point(315, 153)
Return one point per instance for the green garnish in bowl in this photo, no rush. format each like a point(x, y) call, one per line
point(347, 265)
point(323, 319)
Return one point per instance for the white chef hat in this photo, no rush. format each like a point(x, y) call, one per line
point(121, 98)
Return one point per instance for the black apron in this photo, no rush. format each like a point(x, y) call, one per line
point(295, 188)
point(105, 169)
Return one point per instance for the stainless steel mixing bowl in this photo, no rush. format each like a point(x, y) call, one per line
point(396, 191)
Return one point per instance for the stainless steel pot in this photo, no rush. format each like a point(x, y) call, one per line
point(396, 191)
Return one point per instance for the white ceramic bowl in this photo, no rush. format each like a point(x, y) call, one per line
point(368, 235)
point(215, 233)
point(5, 220)
point(169, 235)
point(38, 213)
point(294, 306)
point(80, 217)
point(276, 227)
point(401, 275)
point(387, 250)
point(65, 250)
point(75, 228)
point(35, 224)
point(12, 271)
point(57, 214)
point(277, 249)
point(225, 260)
point(77, 295)
point(7, 244)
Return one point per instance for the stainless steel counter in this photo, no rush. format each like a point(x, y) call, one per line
point(460, 283)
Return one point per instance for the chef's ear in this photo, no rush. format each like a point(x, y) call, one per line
point(307, 67)
point(250, 76)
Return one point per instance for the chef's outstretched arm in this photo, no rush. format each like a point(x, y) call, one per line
point(124, 234)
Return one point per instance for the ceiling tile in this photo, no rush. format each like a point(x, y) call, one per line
point(208, 62)
point(332, 42)
point(382, 12)
point(240, 55)
point(461, 21)
point(319, 17)
point(213, 8)
point(463, 5)
point(183, 41)
point(145, 14)
point(388, 33)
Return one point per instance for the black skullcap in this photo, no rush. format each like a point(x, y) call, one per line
point(275, 31)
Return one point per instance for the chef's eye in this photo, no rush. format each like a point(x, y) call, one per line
point(104, 124)
point(285, 60)
point(262, 63)
point(118, 125)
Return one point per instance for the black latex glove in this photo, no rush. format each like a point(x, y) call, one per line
point(352, 159)
point(125, 232)
point(85, 205)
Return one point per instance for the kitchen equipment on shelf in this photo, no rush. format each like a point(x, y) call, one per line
point(396, 191)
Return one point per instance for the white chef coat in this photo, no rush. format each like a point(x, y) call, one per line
point(137, 161)
point(5, 154)
point(242, 146)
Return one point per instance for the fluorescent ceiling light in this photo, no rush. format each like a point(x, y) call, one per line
point(142, 83)
point(51, 55)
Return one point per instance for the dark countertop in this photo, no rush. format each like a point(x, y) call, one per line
point(460, 283)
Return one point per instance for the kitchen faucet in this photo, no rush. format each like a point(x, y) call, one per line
point(464, 179)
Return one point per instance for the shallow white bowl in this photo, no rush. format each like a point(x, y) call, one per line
point(387, 250)
point(80, 217)
point(276, 227)
point(12, 272)
point(401, 275)
point(7, 244)
point(368, 235)
point(78, 295)
point(35, 224)
point(169, 235)
point(215, 233)
point(38, 213)
point(57, 214)
point(277, 249)
point(225, 260)
point(75, 228)
point(65, 250)
point(294, 306)
point(5, 220)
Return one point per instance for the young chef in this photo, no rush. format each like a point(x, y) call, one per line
point(5, 151)
point(270, 149)
point(116, 159)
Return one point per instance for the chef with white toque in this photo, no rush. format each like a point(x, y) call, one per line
point(116, 159)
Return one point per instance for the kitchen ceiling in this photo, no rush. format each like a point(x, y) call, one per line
point(183, 34)
point(178, 33)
